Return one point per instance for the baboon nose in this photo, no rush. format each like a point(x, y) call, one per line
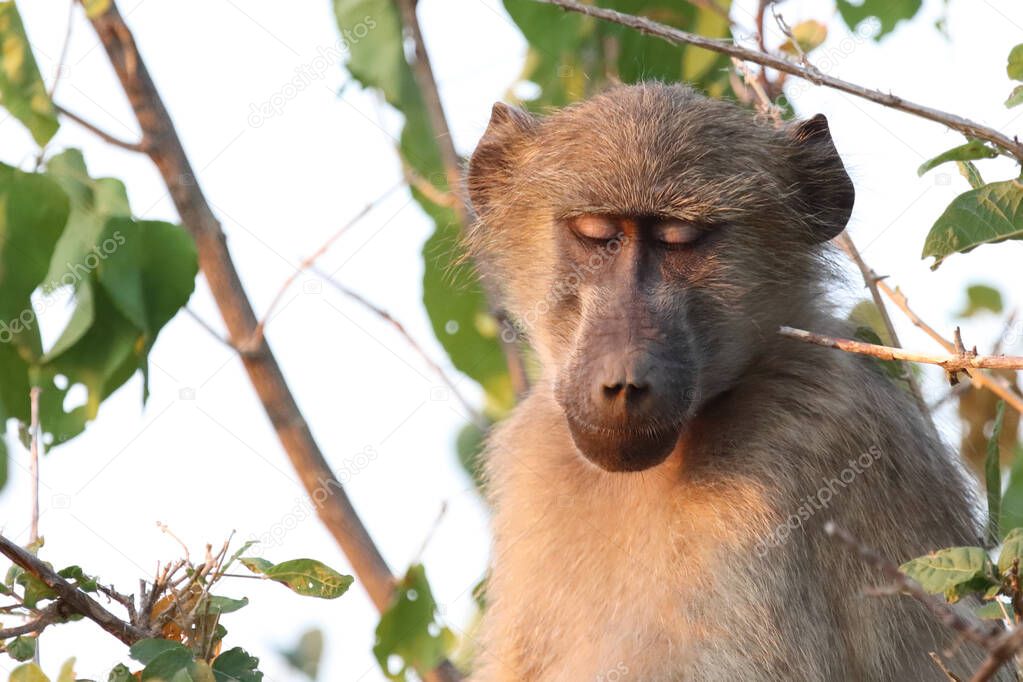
point(630, 390)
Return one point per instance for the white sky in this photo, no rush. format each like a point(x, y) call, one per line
point(211, 464)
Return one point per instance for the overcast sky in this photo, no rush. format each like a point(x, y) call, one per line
point(201, 457)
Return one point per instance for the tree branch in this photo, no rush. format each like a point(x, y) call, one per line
point(809, 73)
point(950, 362)
point(72, 597)
point(423, 71)
point(995, 384)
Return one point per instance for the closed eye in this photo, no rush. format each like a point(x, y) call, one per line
point(594, 226)
point(677, 233)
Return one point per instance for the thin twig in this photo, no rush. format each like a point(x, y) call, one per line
point(944, 668)
point(812, 74)
point(102, 134)
point(429, 190)
point(54, 613)
point(72, 597)
point(474, 414)
point(33, 533)
point(211, 331)
point(257, 335)
point(950, 362)
point(870, 278)
point(62, 59)
point(969, 629)
point(996, 384)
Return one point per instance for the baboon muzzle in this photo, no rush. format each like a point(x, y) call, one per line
point(623, 413)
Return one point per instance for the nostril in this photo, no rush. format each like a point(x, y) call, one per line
point(611, 391)
point(637, 390)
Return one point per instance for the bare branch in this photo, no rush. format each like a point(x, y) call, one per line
point(809, 73)
point(72, 597)
point(993, 383)
point(950, 362)
point(102, 134)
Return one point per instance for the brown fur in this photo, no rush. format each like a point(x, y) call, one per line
point(668, 573)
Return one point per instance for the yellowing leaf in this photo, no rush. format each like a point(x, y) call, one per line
point(22, 91)
point(809, 35)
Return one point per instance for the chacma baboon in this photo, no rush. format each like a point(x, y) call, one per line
point(661, 493)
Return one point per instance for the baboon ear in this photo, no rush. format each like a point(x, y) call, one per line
point(494, 162)
point(825, 193)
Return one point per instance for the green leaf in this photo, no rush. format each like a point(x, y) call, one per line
point(22, 91)
point(221, 605)
point(306, 654)
point(169, 665)
point(235, 665)
point(809, 35)
point(993, 610)
point(946, 569)
point(993, 476)
point(991, 214)
point(974, 149)
point(33, 212)
point(888, 12)
point(93, 201)
point(469, 446)
point(29, 672)
point(307, 577)
point(1015, 97)
point(150, 272)
point(408, 631)
point(1012, 498)
point(1012, 548)
point(256, 564)
point(3, 450)
point(35, 590)
point(120, 673)
point(84, 582)
point(1014, 68)
point(21, 648)
point(145, 651)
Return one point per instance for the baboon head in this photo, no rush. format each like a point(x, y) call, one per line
point(648, 242)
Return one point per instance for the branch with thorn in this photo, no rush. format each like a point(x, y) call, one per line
point(960, 361)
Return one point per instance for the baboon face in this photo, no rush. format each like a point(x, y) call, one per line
point(649, 241)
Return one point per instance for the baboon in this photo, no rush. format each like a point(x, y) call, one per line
point(660, 495)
